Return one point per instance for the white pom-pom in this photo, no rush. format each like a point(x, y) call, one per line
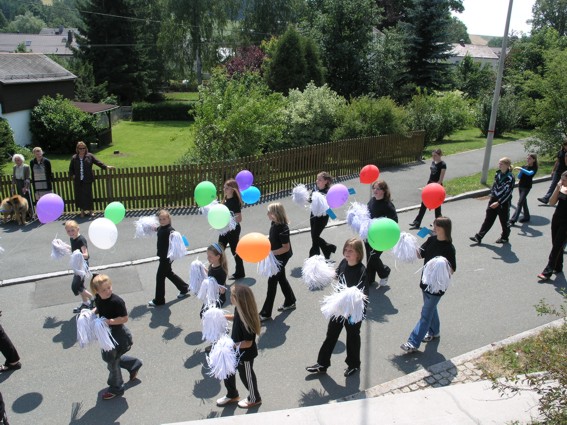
point(345, 302)
point(317, 273)
point(197, 274)
point(214, 323)
point(103, 334)
point(146, 226)
point(79, 265)
point(177, 248)
point(1, 250)
point(229, 227)
point(300, 195)
point(364, 228)
point(205, 210)
point(406, 249)
point(356, 215)
point(436, 275)
point(319, 205)
point(209, 291)
point(85, 328)
point(222, 359)
point(59, 249)
point(269, 266)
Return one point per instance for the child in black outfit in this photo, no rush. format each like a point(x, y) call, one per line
point(525, 182)
point(78, 242)
point(219, 270)
point(354, 273)
point(437, 169)
point(164, 268)
point(233, 201)
point(245, 327)
point(318, 244)
point(113, 309)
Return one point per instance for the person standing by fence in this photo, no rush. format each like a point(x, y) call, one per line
point(42, 176)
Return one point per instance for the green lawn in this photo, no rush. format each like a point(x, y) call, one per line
point(183, 96)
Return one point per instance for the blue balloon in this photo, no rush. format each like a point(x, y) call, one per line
point(251, 195)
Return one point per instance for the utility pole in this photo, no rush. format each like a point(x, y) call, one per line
point(495, 99)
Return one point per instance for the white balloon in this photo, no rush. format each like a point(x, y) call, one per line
point(103, 233)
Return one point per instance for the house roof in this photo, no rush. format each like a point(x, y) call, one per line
point(38, 43)
point(94, 108)
point(17, 68)
point(474, 50)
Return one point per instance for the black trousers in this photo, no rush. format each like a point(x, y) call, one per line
point(273, 281)
point(555, 177)
point(558, 239)
point(7, 348)
point(165, 271)
point(522, 204)
point(421, 213)
point(318, 244)
point(352, 342)
point(374, 264)
point(503, 213)
point(231, 238)
point(248, 378)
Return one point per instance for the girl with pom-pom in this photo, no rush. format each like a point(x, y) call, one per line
point(353, 272)
point(218, 269)
point(245, 327)
point(164, 268)
point(78, 242)
point(380, 205)
point(113, 309)
point(281, 248)
point(318, 244)
point(233, 201)
point(439, 245)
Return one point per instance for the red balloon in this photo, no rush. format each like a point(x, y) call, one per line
point(433, 195)
point(369, 174)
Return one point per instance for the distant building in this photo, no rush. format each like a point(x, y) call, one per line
point(480, 54)
point(24, 79)
point(50, 41)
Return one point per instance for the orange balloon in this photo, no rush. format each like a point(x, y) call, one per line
point(433, 195)
point(253, 247)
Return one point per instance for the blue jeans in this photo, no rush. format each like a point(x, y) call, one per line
point(429, 320)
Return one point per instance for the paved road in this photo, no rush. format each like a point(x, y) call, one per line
point(492, 298)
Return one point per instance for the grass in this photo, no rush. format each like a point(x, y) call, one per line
point(183, 96)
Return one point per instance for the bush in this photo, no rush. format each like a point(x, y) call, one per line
point(163, 111)
point(7, 144)
point(311, 116)
point(507, 118)
point(365, 116)
point(56, 125)
point(439, 114)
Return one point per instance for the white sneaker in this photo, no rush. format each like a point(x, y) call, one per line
point(223, 401)
point(383, 282)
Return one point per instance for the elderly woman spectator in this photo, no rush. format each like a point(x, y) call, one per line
point(81, 171)
point(41, 174)
point(20, 176)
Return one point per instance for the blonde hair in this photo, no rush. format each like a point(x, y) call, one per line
point(506, 161)
point(247, 308)
point(214, 248)
point(166, 213)
point(81, 144)
point(357, 245)
point(37, 149)
point(72, 224)
point(278, 211)
point(97, 281)
point(234, 185)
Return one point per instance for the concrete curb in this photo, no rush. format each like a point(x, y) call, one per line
point(414, 377)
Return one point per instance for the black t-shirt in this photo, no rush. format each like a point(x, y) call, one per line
point(163, 240)
point(560, 214)
point(353, 275)
point(561, 161)
point(435, 171)
point(78, 243)
point(112, 307)
point(220, 276)
point(526, 180)
point(279, 235)
point(239, 334)
point(432, 248)
point(233, 205)
point(382, 208)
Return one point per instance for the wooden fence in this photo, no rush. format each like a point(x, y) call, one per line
point(274, 172)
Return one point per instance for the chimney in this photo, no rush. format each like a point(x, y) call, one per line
point(462, 42)
point(69, 38)
point(61, 28)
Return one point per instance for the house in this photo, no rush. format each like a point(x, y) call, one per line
point(49, 41)
point(479, 53)
point(24, 79)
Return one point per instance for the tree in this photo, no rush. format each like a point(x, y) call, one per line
point(473, 78)
point(267, 18)
point(314, 71)
point(26, 24)
point(7, 144)
point(550, 13)
point(457, 31)
point(287, 67)
point(246, 59)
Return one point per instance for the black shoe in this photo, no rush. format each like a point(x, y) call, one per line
point(236, 276)
point(414, 225)
point(316, 368)
point(350, 370)
point(332, 248)
point(475, 238)
point(511, 223)
point(543, 200)
point(287, 307)
point(502, 240)
point(524, 220)
point(78, 309)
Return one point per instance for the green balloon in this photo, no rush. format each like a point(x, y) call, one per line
point(383, 234)
point(205, 193)
point(218, 216)
point(115, 212)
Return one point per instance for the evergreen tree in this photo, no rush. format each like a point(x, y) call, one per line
point(287, 68)
point(314, 71)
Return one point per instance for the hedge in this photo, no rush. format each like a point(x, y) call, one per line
point(163, 111)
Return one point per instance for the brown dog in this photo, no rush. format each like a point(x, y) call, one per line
point(15, 207)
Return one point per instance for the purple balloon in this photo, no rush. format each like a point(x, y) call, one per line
point(244, 179)
point(337, 195)
point(49, 208)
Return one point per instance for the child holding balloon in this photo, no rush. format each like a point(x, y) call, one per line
point(436, 175)
point(318, 244)
point(280, 245)
point(218, 268)
point(233, 201)
point(79, 242)
point(380, 205)
point(164, 268)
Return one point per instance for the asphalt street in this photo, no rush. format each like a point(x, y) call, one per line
point(493, 297)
